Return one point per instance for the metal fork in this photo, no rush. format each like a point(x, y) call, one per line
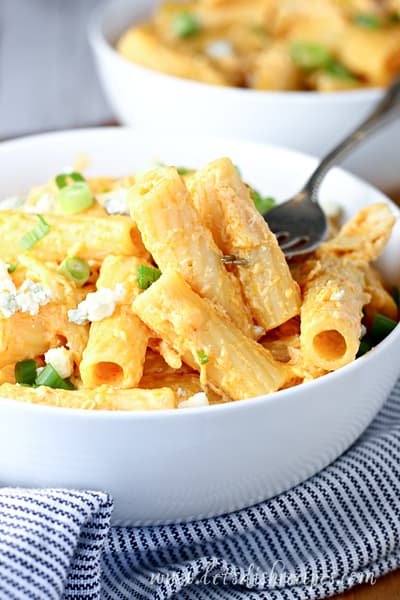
point(299, 223)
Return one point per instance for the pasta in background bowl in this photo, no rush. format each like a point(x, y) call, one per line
point(157, 465)
point(308, 121)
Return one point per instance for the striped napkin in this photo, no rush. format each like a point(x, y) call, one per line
point(340, 528)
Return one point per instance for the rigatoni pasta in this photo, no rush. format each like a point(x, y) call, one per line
point(166, 290)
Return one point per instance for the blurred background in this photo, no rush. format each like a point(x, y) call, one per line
point(47, 76)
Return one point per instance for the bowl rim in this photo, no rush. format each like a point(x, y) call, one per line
point(100, 44)
point(278, 396)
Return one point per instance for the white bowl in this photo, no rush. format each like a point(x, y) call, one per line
point(193, 463)
point(307, 121)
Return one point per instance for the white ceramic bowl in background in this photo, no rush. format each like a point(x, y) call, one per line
point(307, 121)
point(192, 463)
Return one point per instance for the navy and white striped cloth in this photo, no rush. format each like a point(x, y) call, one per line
point(340, 528)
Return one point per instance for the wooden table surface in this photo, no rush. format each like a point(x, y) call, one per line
point(48, 81)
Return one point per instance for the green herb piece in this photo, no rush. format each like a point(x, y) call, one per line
point(203, 358)
point(309, 56)
point(75, 198)
point(185, 25)
point(36, 234)
point(12, 268)
point(394, 19)
point(62, 180)
point(50, 378)
point(367, 21)
point(76, 269)
point(381, 328)
point(365, 346)
point(147, 276)
point(263, 204)
point(183, 170)
point(336, 69)
point(25, 372)
point(396, 296)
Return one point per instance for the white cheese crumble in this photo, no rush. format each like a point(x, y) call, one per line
point(12, 202)
point(337, 295)
point(363, 331)
point(45, 204)
point(116, 202)
point(195, 401)
point(219, 49)
point(27, 299)
point(331, 208)
point(61, 360)
point(258, 331)
point(97, 306)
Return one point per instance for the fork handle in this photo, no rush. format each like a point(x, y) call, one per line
point(386, 111)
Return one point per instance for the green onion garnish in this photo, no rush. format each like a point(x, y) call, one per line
point(365, 346)
point(203, 358)
point(381, 327)
point(12, 268)
point(396, 296)
point(36, 234)
point(368, 21)
point(185, 25)
point(25, 372)
point(393, 19)
point(336, 69)
point(310, 56)
point(147, 275)
point(76, 269)
point(62, 180)
point(75, 198)
point(263, 204)
point(183, 170)
point(49, 377)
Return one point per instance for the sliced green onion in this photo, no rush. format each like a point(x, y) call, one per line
point(25, 372)
point(147, 275)
point(310, 56)
point(393, 19)
point(75, 198)
point(185, 25)
point(203, 358)
point(49, 377)
point(62, 179)
point(76, 269)
point(34, 236)
point(368, 21)
point(12, 268)
point(365, 346)
point(336, 69)
point(183, 170)
point(263, 204)
point(381, 327)
point(396, 296)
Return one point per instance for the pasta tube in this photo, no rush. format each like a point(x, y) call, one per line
point(102, 398)
point(364, 237)
point(228, 361)
point(177, 239)
point(333, 291)
point(86, 237)
point(226, 208)
point(373, 54)
point(116, 349)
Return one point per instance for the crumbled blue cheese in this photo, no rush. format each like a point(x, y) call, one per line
point(116, 202)
point(331, 208)
point(97, 306)
point(363, 331)
point(338, 295)
point(27, 299)
point(12, 202)
point(219, 49)
point(45, 204)
point(61, 360)
point(195, 401)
